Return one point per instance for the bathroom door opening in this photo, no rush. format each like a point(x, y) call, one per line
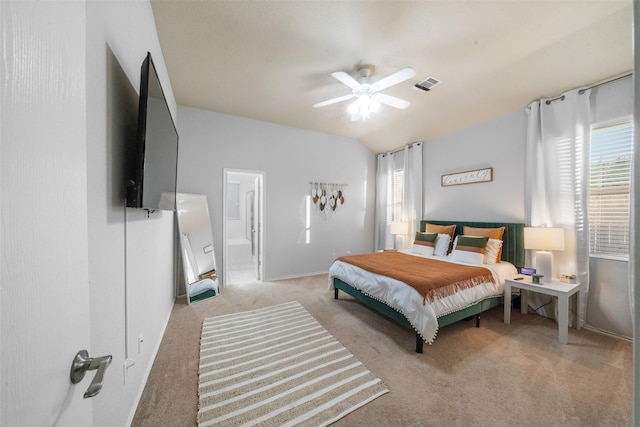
point(243, 227)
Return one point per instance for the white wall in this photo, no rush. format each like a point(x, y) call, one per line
point(500, 143)
point(290, 158)
point(131, 265)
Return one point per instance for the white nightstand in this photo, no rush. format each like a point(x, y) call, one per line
point(557, 289)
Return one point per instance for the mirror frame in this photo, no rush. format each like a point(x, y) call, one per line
point(201, 279)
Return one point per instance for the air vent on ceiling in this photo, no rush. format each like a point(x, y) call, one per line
point(427, 84)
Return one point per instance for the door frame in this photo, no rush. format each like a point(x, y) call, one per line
point(260, 195)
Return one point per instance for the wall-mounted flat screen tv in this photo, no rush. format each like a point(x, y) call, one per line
point(152, 185)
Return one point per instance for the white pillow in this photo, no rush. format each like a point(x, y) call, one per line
point(468, 257)
point(492, 250)
point(467, 253)
point(422, 250)
point(442, 245)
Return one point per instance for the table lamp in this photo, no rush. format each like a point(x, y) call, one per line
point(543, 240)
point(398, 228)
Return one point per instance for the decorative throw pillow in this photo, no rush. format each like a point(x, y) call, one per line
point(493, 249)
point(470, 249)
point(442, 245)
point(442, 229)
point(492, 233)
point(424, 243)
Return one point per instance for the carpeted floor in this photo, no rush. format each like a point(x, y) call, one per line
point(497, 375)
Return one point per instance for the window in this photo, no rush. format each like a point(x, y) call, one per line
point(394, 197)
point(609, 189)
point(398, 187)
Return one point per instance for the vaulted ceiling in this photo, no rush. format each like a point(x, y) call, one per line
point(272, 60)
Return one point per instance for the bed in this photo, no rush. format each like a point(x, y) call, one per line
point(408, 305)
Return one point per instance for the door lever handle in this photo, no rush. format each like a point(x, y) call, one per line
point(83, 363)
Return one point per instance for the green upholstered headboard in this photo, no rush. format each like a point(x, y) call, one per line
point(512, 239)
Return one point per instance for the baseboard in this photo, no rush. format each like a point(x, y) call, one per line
point(610, 334)
point(295, 276)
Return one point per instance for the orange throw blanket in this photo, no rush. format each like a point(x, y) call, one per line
point(432, 278)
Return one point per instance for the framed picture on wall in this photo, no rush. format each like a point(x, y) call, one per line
point(467, 177)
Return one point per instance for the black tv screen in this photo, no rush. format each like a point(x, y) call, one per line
point(153, 184)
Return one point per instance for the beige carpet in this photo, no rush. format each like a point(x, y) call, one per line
point(495, 375)
point(278, 366)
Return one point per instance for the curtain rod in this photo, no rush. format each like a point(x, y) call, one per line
point(400, 149)
point(593, 86)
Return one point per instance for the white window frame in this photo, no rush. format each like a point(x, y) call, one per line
point(627, 120)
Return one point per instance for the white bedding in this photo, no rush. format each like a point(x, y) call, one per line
point(404, 298)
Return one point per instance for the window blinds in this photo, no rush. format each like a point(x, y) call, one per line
point(609, 189)
point(398, 187)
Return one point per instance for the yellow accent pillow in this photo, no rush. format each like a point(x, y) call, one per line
point(492, 233)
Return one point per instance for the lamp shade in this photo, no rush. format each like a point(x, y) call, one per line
point(544, 238)
point(399, 227)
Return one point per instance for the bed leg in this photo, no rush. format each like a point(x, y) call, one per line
point(335, 293)
point(419, 343)
point(477, 320)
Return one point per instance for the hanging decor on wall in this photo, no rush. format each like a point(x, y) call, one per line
point(327, 197)
point(468, 177)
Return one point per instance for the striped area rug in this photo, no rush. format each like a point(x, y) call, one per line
point(278, 366)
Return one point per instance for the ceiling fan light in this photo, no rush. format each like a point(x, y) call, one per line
point(365, 112)
point(367, 94)
point(364, 101)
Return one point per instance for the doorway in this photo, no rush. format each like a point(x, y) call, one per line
point(243, 226)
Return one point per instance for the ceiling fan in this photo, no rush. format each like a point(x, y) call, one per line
point(367, 92)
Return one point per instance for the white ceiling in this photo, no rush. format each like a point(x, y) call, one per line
point(272, 60)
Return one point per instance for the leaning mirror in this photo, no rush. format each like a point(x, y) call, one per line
point(196, 247)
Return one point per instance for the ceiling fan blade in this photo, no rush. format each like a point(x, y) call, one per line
point(394, 79)
point(345, 78)
point(333, 101)
point(392, 101)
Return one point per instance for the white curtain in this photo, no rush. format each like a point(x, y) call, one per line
point(384, 187)
point(556, 181)
point(409, 159)
point(412, 195)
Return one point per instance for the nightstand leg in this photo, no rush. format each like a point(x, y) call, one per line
point(524, 301)
point(507, 303)
point(563, 318)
